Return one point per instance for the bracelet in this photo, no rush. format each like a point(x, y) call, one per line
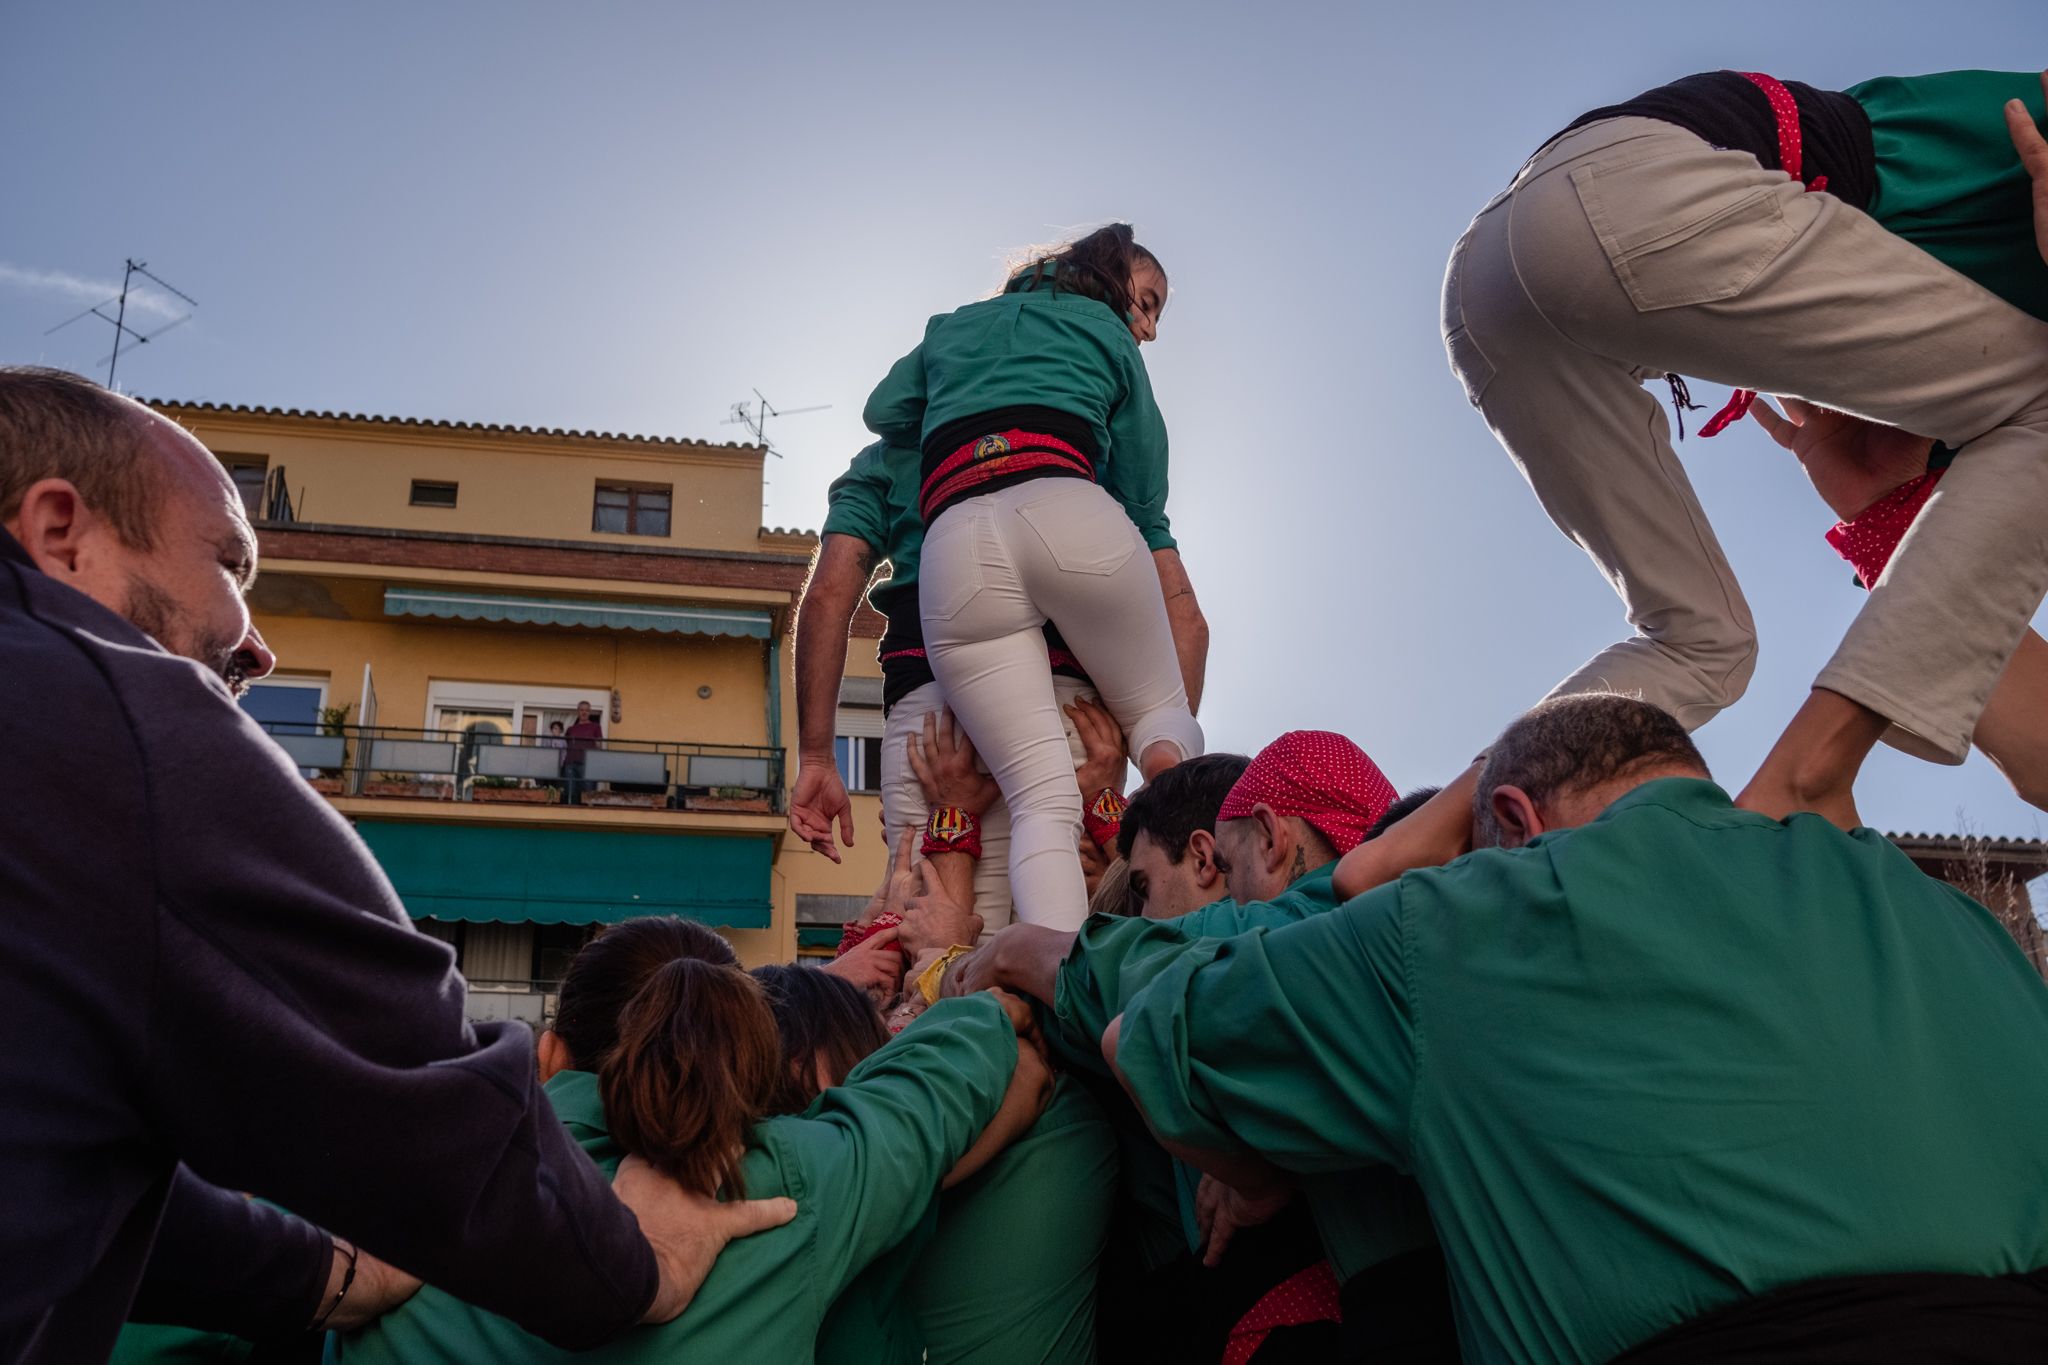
point(348, 1278)
point(952, 829)
point(1104, 817)
point(933, 977)
point(853, 933)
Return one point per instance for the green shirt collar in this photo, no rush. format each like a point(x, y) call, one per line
point(1697, 799)
point(577, 1103)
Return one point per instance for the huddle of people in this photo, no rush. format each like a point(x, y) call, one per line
point(1577, 1058)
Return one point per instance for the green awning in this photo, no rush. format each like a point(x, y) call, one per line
point(449, 604)
point(572, 876)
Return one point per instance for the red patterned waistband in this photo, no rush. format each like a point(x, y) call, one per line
point(998, 455)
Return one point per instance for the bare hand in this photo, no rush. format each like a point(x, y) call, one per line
point(1023, 1018)
point(2033, 150)
point(971, 972)
point(944, 762)
point(1102, 744)
point(875, 964)
point(1222, 1211)
point(933, 921)
point(687, 1231)
point(817, 801)
point(899, 882)
point(378, 1287)
point(1094, 862)
point(1852, 461)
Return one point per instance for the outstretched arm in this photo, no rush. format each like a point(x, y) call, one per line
point(818, 800)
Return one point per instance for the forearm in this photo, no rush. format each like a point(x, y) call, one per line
point(1028, 958)
point(225, 1263)
point(823, 618)
point(1184, 616)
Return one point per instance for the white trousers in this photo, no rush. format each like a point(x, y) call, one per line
point(904, 806)
point(994, 569)
point(1629, 248)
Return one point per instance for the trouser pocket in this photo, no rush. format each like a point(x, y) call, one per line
point(950, 568)
point(1468, 361)
point(1685, 228)
point(1083, 529)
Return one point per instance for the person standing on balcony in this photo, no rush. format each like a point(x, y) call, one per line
point(585, 733)
point(203, 963)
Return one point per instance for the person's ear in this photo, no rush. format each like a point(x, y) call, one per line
point(53, 526)
point(1516, 815)
point(1274, 852)
point(1208, 867)
point(554, 1056)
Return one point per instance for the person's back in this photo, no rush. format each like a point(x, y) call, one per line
point(862, 1163)
point(1685, 1054)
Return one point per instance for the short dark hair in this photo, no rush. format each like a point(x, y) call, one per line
point(1402, 808)
point(1181, 800)
point(820, 1016)
point(59, 425)
point(1576, 743)
point(1098, 265)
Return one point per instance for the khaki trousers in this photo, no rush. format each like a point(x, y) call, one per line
point(1629, 248)
point(904, 806)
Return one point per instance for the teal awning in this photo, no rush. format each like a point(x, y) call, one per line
point(572, 876)
point(451, 604)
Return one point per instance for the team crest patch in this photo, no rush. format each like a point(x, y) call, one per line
point(1107, 806)
point(991, 447)
point(947, 824)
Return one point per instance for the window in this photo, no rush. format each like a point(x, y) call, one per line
point(249, 473)
point(287, 702)
point(517, 713)
point(429, 494)
point(631, 509)
point(857, 747)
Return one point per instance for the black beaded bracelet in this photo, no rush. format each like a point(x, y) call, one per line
point(348, 1277)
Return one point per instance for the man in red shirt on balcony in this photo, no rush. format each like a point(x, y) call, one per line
point(585, 733)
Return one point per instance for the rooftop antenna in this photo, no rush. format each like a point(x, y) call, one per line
point(754, 417)
point(120, 318)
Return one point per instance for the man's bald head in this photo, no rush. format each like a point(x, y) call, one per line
point(57, 425)
point(1567, 759)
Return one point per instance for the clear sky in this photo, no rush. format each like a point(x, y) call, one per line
point(625, 217)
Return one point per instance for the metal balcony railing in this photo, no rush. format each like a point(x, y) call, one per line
point(484, 766)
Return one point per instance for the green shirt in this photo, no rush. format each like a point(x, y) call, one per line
point(875, 501)
point(863, 1163)
point(1037, 346)
point(1948, 180)
point(1643, 1068)
point(148, 1343)
point(1009, 1279)
point(1364, 1217)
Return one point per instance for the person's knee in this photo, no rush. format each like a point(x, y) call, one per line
point(1168, 725)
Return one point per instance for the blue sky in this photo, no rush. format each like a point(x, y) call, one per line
point(626, 217)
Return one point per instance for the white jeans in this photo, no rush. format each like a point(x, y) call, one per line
point(904, 806)
point(995, 568)
point(1630, 247)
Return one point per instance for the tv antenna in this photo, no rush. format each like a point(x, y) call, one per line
point(119, 320)
point(754, 417)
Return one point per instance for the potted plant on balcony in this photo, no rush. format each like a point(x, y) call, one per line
point(742, 800)
point(511, 791)
point(409, 784)
point(333, 719)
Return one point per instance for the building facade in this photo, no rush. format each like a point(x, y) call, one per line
point(445, 599)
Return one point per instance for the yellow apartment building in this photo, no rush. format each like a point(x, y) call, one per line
point(441, 596)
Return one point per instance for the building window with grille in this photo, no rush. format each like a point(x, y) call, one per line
point(857, 746)
point(428, 493)
point(632, 509)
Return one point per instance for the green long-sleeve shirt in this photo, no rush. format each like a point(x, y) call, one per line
point(1365, 1217)
point(1045, 348)
point(1642, 1069)
point(875, 501)
point(863, 1163)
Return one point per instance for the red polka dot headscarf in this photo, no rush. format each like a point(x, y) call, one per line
point(1322, 777)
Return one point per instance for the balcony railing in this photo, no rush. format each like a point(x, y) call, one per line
point(481, 766)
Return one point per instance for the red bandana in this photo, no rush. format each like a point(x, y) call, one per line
point(1322, 777)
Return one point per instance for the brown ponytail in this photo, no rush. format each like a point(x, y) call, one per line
point(1098, 265)
point(696, 1064)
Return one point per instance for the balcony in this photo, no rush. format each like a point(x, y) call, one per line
point(384, 761)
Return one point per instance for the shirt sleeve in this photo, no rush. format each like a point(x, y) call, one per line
point(858, 500)
point(895, 410)
point(1137, 457)
point(306, 1044)
point(904, 1116)
point(1296, 1043)
point(226, 1263)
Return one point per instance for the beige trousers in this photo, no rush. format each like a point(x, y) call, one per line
point(1629, 248)
point(904, 806)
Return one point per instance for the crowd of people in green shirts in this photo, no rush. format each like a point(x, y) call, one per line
point(1576, 1059)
